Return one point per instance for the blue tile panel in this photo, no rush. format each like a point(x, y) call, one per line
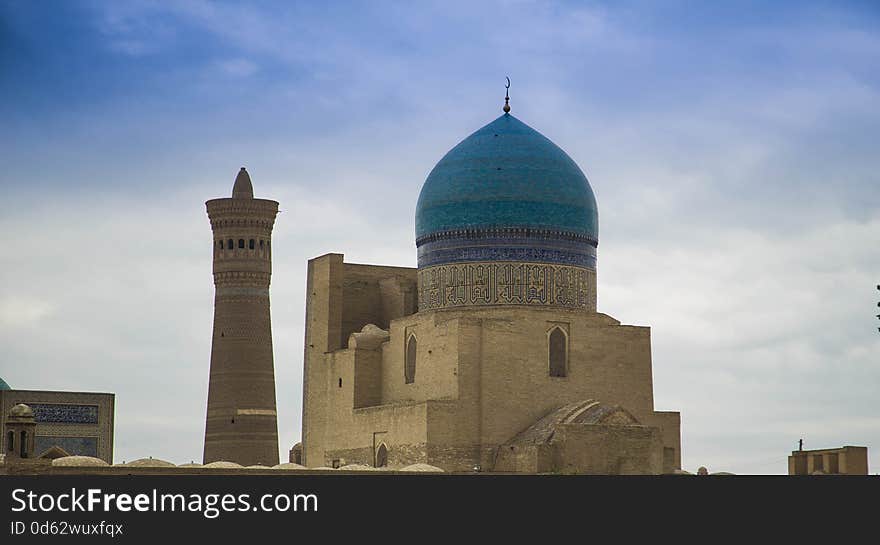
point(65, 414)
point(75, 446)
point(522, 245)
point(483, 284)
point(506, 174)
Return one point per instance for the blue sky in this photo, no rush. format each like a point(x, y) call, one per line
point(731, 147)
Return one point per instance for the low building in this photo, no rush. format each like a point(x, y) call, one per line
point(79, 423)
point(847, 460)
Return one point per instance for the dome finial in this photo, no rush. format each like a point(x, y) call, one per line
point(506, 97)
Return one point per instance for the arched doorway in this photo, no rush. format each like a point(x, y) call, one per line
point(382, 456)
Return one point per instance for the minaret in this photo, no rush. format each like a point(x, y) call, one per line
point(241, 423)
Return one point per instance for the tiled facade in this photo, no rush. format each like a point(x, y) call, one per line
point(81, 423)
point(487, 284)
point(507, 244)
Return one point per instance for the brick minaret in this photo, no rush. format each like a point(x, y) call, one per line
point(241, 423)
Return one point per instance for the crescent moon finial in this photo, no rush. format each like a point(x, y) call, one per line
point(507, 97)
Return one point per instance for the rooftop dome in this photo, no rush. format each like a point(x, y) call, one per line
point(222, 464)
point(288, 465)
point(79, 461)
point(149, 462)
point(359, 467)
point(422, 468)
point(588, 411)
point(3, 385)
point(21, 411)
point(507, 175)
point(506, 218)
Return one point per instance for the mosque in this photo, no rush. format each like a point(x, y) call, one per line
point(491, 354)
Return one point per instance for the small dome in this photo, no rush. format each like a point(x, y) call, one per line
point(21, 411)
point(588, 411)
point(288, 465)
point(79, 461)
point(222, 464)
point(358, 467)
point(370, 337)
point(507, 175)
point(190, 464)
point(243, 189)
point(422, 468)
point(3, 385)
point(149, 462)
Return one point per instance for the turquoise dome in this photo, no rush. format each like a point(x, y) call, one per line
point(507, 175)
point(3, 385)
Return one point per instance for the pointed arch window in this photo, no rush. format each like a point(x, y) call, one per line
point(409, 370)
point(558, 352)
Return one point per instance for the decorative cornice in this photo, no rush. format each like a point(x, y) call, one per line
point(508, 244)
point(507, 232)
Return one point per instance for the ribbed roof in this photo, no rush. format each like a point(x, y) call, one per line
point(588, 411)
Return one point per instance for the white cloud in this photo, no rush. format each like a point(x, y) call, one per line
point(756, 331)
point(18, 311)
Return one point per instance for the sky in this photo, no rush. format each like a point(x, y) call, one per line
point(732, 148)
